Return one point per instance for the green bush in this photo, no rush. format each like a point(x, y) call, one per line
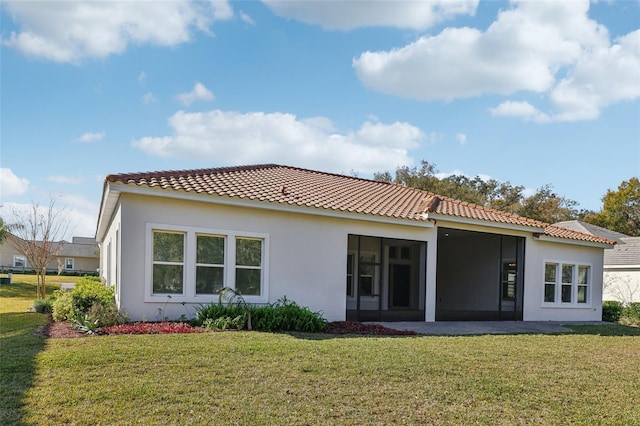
point(106, 315)
point(632, 311)
point(90, 290)
point(611, 310)
point(43, 306)
point(89, 300)
point(226, 323)
point(62, 305)
point(283, 315)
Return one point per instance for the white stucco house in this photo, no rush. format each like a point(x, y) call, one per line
point(352, 248)
point(621, 281)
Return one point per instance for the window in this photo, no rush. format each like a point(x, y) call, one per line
point(209, 264)
point(367, 275)
point(19, 261)
point(248, 266)
point(168, 262)
point(193, 264)
point(68, 264)
point(583, 283)
point(566, 284)
point(550, 272)
point(350, 275)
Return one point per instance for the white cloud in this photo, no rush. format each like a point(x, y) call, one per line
point(67, 180)
point(10, 184)
point(461, 138)
point(523, 110)
point(198, 93)
point(246, 18)
point(71, 31)
point(91, 137)
point(256, 137)
point(148, 98)
point(549, 48)
point(142, 77)
point(347, 15)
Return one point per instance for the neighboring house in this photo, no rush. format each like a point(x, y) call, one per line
point(80, 256)
point(621, 263)
point(352, 248)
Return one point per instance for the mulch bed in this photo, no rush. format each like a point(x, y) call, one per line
point(61, 330)
point(65, 330)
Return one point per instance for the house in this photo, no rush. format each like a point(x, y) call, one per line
point(621, 263)
point(80, 256)
point(352, 248)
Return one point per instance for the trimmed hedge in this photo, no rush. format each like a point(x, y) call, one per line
point(611, 310)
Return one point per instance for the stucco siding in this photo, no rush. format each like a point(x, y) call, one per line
point(622, 283)
point(538, 253)
point(306, 253)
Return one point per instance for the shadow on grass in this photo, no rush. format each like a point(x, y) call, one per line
point(20, 343)
point(20, 289)
point(603, 329)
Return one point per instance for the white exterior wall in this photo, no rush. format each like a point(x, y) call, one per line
point(307, 253)
point(622, 283)
point(537, 253)
point(109, 250)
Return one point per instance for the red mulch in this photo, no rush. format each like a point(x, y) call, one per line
point(65, 330)
point(62, 330)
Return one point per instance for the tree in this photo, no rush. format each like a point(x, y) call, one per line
point(4, 231)
point(35, 234)
point(621, 209)
point(546, 206)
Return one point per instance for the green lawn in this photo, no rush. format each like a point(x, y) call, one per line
point(258, 378)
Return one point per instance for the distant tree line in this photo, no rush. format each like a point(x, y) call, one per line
point(620, 211)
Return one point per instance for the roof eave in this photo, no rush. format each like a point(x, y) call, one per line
point(114, 190)
point(108, 203)
point(571, 241)
point(480, 222)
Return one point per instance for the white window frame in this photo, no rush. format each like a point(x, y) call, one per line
point(160, 262)
point(73, 264)
point(22, 258)
point(189, 288)
point(558, 303)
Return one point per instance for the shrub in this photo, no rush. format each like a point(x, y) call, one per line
point(89, 300)
point(90, 290)
point(106, 315)
point(287, 315)
point(632, 311)
point(226, 323)
point(283, 315)
point(611, 310)
point(43, 306)
point(63, 306)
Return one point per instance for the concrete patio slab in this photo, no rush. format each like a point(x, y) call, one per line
point(457, 328)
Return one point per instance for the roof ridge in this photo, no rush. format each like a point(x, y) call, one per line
point(186, 172)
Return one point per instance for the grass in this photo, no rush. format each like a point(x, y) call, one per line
point(587, 377)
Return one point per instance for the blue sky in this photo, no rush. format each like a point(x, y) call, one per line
point(533, 93)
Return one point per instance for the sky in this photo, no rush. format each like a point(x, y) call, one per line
point(529, 92)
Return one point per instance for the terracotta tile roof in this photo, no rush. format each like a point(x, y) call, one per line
point(290, 185)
